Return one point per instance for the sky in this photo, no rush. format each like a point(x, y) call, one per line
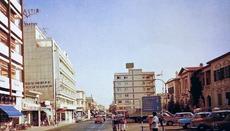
point(100, 36)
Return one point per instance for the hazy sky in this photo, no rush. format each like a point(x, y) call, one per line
point(100, 36)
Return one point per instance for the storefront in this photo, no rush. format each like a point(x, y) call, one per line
point(9, 116)
point(31, 113)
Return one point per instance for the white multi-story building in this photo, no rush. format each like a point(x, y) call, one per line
point(11, 58)
point(130, 87)
point(49, 71)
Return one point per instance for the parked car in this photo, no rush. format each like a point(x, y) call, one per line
point(168, 118)
point(212, 121)
point(199, 118)
point(183, 118)
point(99, 119)
point(223, 125)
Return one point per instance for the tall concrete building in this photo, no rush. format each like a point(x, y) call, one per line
point(49, 71)
point(11, 58)
point(131, 86)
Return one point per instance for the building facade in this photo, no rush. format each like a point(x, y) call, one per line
point(31, 108)
point(216, 82)
point(185, 75)
point(11, 56)
point(174, 89)
point(49, 71)
point(81, 102)
point(130, 87)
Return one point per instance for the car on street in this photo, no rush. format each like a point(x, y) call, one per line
point(214, 120)
point(99, 119)
point(183, 118)
point(168, 118)
point(198, 118)
point(223, 125)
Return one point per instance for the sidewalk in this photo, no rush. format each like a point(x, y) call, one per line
point(44, 128)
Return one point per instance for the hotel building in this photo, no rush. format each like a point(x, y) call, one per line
point(49, 71)
point(130, 87)
point(11, 59)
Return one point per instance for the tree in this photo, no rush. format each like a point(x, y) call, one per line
point(196, 89)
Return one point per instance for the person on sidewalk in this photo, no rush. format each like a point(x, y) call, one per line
point(155, 122)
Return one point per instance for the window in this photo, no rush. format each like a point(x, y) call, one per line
point(171, 90)
point(219, 96)
point(119, 101)
point(126, 95)
point(125, 77)
point(222, 73)
point(208, 77)
point(3, 68)
point(126, 83)
point(143, 83)
point(227, 72)
point(118, 77)
point(227, 94)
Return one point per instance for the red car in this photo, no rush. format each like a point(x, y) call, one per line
point(168, 118)
point(199, 118)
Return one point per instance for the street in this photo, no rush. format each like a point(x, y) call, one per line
point(107, 126)
point(86, 126)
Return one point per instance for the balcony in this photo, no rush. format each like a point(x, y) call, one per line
point(4, 49)
point(16, 30)
point(17, 85)
point(17, 5)
point(4, 82)
point(16, 56)
point(66, 106)
point(3, 19)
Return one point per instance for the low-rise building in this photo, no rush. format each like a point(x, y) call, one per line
point(216, 82)
point(31, 108)
point(81, 103)
point(174, 89)
point(185, 75)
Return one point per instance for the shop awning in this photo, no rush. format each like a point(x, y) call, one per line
point(10, 111)
point(47, 111)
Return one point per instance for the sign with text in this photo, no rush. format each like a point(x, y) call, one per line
point(151, 103)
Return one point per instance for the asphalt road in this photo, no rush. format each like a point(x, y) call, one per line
point(86, 126)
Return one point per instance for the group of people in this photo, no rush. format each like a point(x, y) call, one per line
point(119, 122)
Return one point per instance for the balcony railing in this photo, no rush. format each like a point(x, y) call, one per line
point(3, 19)
point(16, 30)
point(16, 56)
point(66, 106)
point(4, 49)
point(17, 5)
point(4, 82)
point(17, 85)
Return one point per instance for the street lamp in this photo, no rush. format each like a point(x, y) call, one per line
point(163, 100)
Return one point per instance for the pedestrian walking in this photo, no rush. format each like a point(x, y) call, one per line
point(155, 122)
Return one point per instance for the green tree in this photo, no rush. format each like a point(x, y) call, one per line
point(196, 89)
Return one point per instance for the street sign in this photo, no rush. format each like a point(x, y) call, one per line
point(151, 103)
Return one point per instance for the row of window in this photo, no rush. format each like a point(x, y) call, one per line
point(126, 89)
point(126, 77)
point(222, 73)
point(15, 73)
point(219, 74)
